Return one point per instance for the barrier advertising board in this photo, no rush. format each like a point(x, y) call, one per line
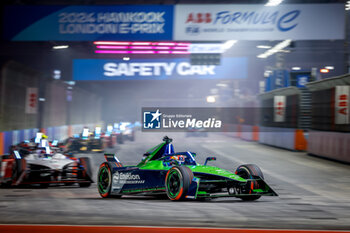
point(88, 23)
point(259, 22)
point(190, 22)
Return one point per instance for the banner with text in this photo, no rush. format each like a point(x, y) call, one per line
point(279, 103)
point(31, 100)
point(157, 69)
point(341, 108)
point(258, 22)
point(88, 23)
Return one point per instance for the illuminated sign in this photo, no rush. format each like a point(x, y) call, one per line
point(257, 22)
point(86, 23)
point(155, 69)
point(191, 22)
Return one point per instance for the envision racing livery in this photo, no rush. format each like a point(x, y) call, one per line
point(180, 177)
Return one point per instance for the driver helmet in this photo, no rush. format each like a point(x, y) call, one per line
point(179, 158)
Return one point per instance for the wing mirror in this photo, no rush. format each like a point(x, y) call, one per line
point(209, 159)
point(145, 155)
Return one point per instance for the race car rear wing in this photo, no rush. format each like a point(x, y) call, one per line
point(112, 158)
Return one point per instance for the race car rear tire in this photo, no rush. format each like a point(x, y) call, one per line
point(85, 174)
point(250, 171)
point(177, 182)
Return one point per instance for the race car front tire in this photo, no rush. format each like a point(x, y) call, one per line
point(250, 171)
point(104, 181)
point(177, 182)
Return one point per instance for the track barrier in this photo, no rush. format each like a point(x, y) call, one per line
point(143, 229)
point(332, 145)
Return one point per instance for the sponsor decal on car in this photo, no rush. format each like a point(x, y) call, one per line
point(126, 178)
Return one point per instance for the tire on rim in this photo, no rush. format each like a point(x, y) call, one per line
point(250, 171)
point(177, 182)
point(104, 180)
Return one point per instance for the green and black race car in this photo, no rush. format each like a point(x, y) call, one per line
point(180, 177)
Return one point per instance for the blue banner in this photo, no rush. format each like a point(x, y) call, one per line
point(157, 69)
point(302, 79)
point(279, 79)
point(88, 23)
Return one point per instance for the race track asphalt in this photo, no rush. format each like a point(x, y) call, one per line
point(313, 193)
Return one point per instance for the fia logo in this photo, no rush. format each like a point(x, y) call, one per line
point(192, 30)
point(152, 120)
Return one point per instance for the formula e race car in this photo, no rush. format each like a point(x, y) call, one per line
point(180, 177)
point(80, 145)
point(43, 166)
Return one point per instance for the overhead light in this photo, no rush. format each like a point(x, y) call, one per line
point(145, 47)
point(267, 73)
point(141, 47)
point(211, 99)
point(275, 49)
point(347, 5)
point(261, 56)
point(71, 83)
point(329, 67)
point(42, 99)
point(167, 43)
point(60, 47)
point(124, 52)
point(296, 68)
point(284, 51)
point(126, 58)
point(179, 52)
point(56, 74)
point(140, 52)
point(221, 85)
point(324, 70)
point(111, 47)
point(263, 46)
point(111, 43)
point(273, 2)
point(228, 44)
point(141, 43)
